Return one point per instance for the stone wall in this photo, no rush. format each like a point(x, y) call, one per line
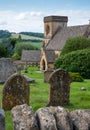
point(49, 118)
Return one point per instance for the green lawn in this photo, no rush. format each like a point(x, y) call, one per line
point(39, 93)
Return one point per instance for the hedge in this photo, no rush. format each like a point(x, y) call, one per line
point(76, 61)
point(76, 77)
point(77, 43)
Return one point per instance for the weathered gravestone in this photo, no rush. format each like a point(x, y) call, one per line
point(59, 88)
point(7, 68)
point(15, 91)
point(2, 120)
point(47, 75)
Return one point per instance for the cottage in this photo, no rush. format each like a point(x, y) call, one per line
point(31, 57)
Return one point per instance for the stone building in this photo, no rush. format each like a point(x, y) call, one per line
point(31, 57)
point(56, 32)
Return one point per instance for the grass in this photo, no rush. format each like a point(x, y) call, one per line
point(26, 37)
point(39, 93)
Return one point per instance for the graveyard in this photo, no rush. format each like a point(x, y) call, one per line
point(39, 94)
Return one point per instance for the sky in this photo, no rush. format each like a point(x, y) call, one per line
point(27, 15)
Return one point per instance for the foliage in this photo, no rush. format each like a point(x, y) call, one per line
point(32, 40)
point(76, 61)
point(4, 34)
point(77, 43)
point(16, 56)
point(9, 44)
point(4, 52)
point(76, 77)
point(26, 46)
point(13, 42)
point(41, 35)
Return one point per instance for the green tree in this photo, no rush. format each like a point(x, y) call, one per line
point(76, 61)
point(13, 42)
point(4, 34)
point(77, 43)
point(24, 46)
point(4, 52)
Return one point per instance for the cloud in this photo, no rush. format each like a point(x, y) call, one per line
point(76, 17)
point(22, 21)
point(33, 21)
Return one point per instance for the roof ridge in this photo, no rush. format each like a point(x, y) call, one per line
point(78, 26)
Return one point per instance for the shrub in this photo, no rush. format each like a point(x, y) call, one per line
point(76, 61)
point(16, 56)
point(4, 52)
point(76, 77)
point(77, 43)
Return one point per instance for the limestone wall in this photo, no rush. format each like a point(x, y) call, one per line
point(48, 118)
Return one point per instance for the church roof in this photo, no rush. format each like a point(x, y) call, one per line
point(50, 56)
point(31, 55)
point(59, 39)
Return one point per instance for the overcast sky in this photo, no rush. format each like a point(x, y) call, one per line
point(27, 15)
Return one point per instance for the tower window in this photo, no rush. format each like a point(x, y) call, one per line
point(47, 29)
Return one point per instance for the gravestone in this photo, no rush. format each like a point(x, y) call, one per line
point(7, 68)
point(15, 91)
point(47, 75)
point(59, 88)
point(2, 120)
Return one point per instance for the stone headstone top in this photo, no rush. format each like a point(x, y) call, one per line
point(7, 68)
point(15, 91)
point(59, 88)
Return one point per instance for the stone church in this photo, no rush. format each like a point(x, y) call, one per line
point(56, 32)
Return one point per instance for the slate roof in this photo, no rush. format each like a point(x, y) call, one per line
point(59, 39)
point(50, 56)
point(31, 55)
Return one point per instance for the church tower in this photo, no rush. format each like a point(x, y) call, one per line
point(51, 25)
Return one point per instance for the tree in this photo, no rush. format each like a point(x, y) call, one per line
point(77, 43)
point(26, 46)
point(4, 52)
point(4, 34)
point(76, 61)
point(13, 42)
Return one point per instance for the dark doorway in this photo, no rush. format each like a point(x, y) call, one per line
point(43, 64)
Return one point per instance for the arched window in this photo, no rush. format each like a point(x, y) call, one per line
point(47, 29)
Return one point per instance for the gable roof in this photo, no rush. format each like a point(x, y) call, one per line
point(50, 56)
point(31, 55)
point(59, 39)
